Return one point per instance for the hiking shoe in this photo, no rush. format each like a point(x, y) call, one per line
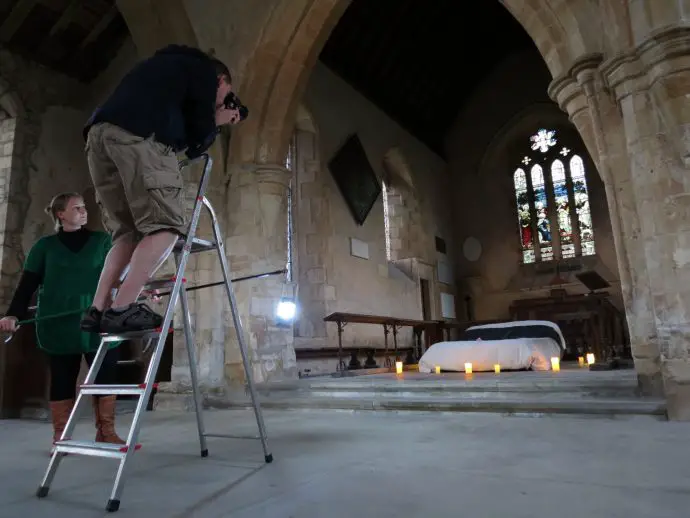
point(132, 318)
point(91, 320)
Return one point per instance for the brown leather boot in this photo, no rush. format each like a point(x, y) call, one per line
point(104, 410)
point(59, 411)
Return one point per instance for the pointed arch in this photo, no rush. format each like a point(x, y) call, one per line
point(278, 71)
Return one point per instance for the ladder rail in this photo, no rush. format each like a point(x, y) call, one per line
point(239, 328)
point(193, 371)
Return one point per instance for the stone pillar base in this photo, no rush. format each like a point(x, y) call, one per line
point(177, 397)
point(650, 385)
point(676, 374)
point(650, 381)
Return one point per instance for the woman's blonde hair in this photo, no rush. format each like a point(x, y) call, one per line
point(58, 204)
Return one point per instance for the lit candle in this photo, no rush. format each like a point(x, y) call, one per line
point(497, 368)
point(438, 369)
point(468, 368)
point(398, 367)
point(590, 358)
point(581, 361)
point(555, 364)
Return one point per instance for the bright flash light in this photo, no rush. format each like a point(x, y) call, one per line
point(286, 309)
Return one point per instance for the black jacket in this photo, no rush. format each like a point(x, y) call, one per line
point(171, 95)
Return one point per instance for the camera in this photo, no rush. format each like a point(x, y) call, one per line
point(232, 102)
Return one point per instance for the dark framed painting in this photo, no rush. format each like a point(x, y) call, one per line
point(355, 178)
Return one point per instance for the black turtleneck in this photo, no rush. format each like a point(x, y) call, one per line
point(30, 281)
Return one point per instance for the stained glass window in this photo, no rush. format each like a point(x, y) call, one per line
point(541, 205)
point(562, 203)
point(552, 202)
point(524, 216)
point(584, 216)
point(543, 140)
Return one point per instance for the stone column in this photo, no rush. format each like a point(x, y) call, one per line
point(257, 243)
point(207, 306)
point(312, 231)
point(652, 85)
point(582, 95)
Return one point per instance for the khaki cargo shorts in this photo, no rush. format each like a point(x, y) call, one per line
point(138, 184)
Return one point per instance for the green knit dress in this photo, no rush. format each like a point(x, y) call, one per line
point(69, 282)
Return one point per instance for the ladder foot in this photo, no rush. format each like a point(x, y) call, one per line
point(204, 453)
point(42, 491)
point(269, 458)
point(112, 506)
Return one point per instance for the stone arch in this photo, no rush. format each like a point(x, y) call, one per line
point(502, 157)
point(520, 125)
point(278, 71)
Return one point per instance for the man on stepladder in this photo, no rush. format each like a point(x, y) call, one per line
point(175, 100)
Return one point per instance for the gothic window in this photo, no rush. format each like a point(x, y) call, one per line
point(386, 219)
point(552, 202)
point(290, 166)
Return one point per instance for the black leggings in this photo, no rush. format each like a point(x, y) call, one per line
point(64, 371)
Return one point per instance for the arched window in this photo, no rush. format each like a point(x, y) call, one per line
point(386, 219)
point(290, 166)
point(552, 202)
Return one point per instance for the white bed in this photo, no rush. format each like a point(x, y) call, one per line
point(524, 344)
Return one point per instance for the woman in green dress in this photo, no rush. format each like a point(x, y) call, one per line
point(65, 268)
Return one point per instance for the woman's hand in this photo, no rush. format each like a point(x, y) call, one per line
point(8, 324)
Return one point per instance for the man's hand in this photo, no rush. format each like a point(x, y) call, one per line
point(225, 116)
point(8, 324)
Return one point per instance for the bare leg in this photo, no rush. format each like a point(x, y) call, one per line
point(148, 256)
point(118, 258)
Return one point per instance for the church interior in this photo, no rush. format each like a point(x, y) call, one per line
point(412, 170)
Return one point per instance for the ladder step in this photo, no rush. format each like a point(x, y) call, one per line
point(93, 448)
point(108, 390)
point(157, 284)
point(148, 334)
point(198, 245)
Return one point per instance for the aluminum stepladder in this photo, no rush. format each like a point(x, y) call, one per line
point(122, 453)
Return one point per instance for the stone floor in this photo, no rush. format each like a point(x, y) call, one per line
point(332, 464)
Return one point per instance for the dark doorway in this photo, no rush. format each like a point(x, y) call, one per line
point(426, 299)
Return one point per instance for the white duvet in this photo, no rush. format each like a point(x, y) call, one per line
point(512, 353)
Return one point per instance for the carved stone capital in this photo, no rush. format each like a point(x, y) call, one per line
point(664, 52)
point(658, 67)
point(568, 89)
point(273, 174)
point(263, 176)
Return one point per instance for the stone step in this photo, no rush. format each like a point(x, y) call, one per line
point(592, 389)
point(545, 405)
point(622, 388)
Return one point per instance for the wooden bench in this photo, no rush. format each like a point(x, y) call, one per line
point(389, 324)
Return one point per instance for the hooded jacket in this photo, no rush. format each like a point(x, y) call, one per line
point(170, 96)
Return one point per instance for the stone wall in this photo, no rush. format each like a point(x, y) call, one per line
point(484, 150)
point(331, 278)
point(45, 157)
point(7, 130)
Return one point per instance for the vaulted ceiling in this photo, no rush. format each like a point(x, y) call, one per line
point(418, 60)
point(76, 37)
